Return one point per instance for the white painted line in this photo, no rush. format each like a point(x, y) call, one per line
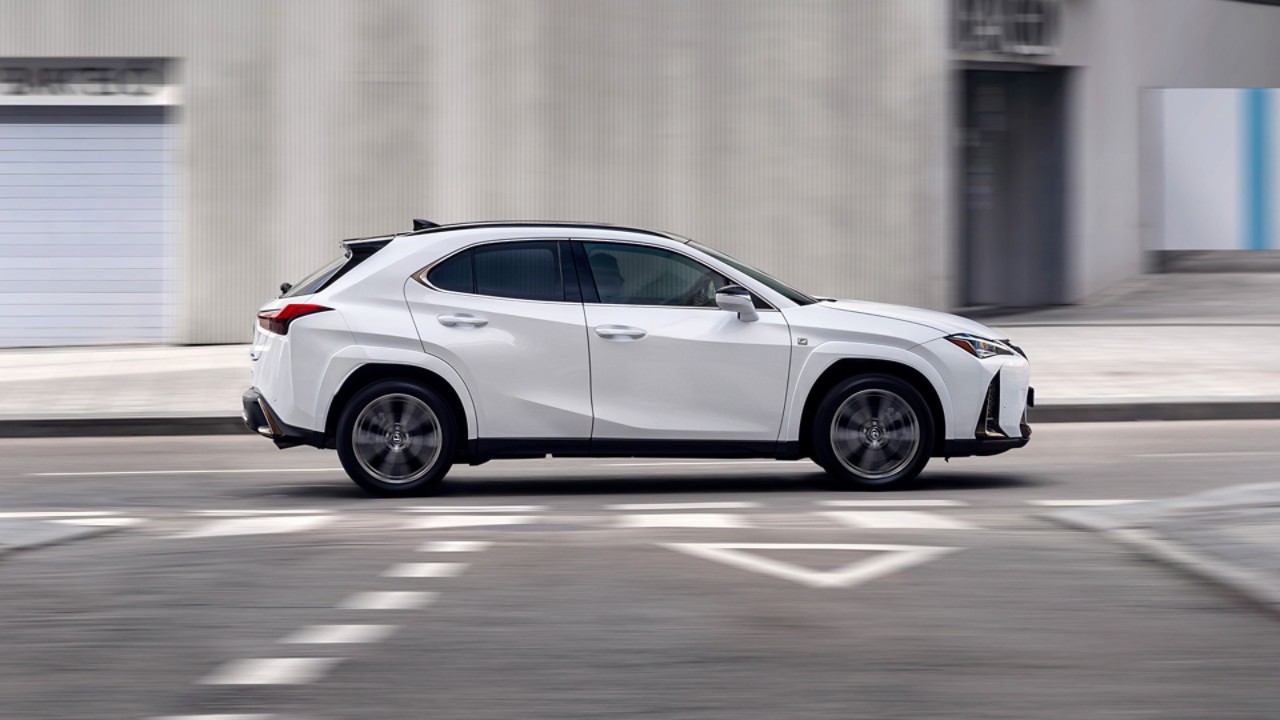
point(473, 508)
point(253, 513)
point(425, 570)
point(1079, 503)
point(271, 671)
point(1224, 453)
point(454, 546)
point(689, 463)
point(259, 526)
point(683, 520)
point(444, 522)
point(102, 521)
point(340, 634)
point(685, 506)
point(54, 514)
point(388, 600)
point(898, 520)
point(114, 473)
point(892, 558)
point(223, 716)
point(893, 503)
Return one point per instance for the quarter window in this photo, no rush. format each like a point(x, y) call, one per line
point(454, 274)
point(640, 275)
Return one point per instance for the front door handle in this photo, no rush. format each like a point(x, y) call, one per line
point(462, 319)
point(619, 332)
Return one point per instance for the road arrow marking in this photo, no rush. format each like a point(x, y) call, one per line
point(892, 558)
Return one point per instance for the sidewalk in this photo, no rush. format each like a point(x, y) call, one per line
point(1158, 347)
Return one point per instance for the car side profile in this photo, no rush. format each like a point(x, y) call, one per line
point(469, 343)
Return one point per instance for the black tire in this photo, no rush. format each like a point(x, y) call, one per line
point(874, 446)
point(394, 419)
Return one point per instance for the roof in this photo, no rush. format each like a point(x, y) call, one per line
point(543, 224)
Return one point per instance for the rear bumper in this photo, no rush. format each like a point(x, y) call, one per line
point(260, 418)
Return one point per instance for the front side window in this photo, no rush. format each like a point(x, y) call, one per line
point(640, 275)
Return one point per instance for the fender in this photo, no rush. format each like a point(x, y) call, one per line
point(827, 354)
point(347, 360)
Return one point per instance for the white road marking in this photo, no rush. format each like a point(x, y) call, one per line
point(36, 515)
point(898, 520)
point(473, 508)
point(271, 671)
point(893, 558)
point(453, 546)
point(388, 600)
point(113, 473)
point(683, 520)
point(1223, 453)
point(686, 463)
point(259, 526)
point(340, 634)
point(253, 513)
point(685, 506)
point(893, 503)
point(102, 521)
point(224, 716)
point(1079, 503)
point(443, 522)
point(425, 570)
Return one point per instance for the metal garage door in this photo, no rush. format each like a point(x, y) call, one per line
point(84, 195)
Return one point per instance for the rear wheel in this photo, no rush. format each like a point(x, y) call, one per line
point(873, 432)
point(396, 438)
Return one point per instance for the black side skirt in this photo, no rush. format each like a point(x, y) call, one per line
point(511, 448)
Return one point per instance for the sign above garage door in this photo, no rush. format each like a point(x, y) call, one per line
point(88, 81)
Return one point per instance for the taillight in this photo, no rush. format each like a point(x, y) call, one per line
point(277, 321)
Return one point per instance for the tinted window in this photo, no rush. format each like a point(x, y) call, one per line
point(638, 275)
point(454, 274)
point(317, 280)
point(521, 270)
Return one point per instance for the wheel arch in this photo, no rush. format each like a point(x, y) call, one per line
point(846, 368)
point(370, 373)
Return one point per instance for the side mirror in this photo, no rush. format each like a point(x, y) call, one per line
point(736, 299)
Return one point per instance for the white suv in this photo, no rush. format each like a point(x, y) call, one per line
point(466, 343)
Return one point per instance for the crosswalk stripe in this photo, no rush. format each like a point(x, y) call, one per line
point(453, 546)
point(101, 521)
point(259, 526)
point(473, 508)
point(425, 570)
point(893, 503)
point(43, 514)
point(683, 520)
point(898, 520)
point(685, 506)
point(340, 634)
point(1080, 503)
point(444, 522)
point(271, 671)
point(388, 600)
point(221, 716)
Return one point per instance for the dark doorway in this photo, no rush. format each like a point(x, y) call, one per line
point(1013, 187)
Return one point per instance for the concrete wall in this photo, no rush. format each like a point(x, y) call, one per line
point(1119, 48)
point(809, 138)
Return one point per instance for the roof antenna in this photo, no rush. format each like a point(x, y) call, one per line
point(420, 224)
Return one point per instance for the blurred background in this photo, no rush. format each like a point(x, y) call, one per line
point(165, 165)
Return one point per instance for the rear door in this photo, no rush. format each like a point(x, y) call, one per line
point(666, 363)
point(508, 317)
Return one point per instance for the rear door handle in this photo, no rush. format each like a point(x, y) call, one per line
point(462, 319)
point(619, 332)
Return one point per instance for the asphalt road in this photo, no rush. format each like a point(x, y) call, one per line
point(244, 581)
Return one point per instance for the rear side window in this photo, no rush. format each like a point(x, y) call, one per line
point(454, 274)
point(519, 270)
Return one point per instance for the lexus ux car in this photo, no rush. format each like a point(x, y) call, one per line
point(469, 343)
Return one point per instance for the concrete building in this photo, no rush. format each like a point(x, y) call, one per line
point(165, 164)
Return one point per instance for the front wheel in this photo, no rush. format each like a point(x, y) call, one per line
point(873, 432)
point(396, 438)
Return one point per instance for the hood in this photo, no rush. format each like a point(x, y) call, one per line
point(943, 322)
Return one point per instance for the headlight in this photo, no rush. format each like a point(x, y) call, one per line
point(980, 348)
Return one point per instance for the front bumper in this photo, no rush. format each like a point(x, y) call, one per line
point(989, 437)
point(260, 418)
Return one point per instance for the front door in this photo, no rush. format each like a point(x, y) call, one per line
point(501, 315)
point(667, 364)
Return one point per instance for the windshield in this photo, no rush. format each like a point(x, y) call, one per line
point(769, 281)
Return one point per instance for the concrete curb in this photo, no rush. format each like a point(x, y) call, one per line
point(137, 425)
